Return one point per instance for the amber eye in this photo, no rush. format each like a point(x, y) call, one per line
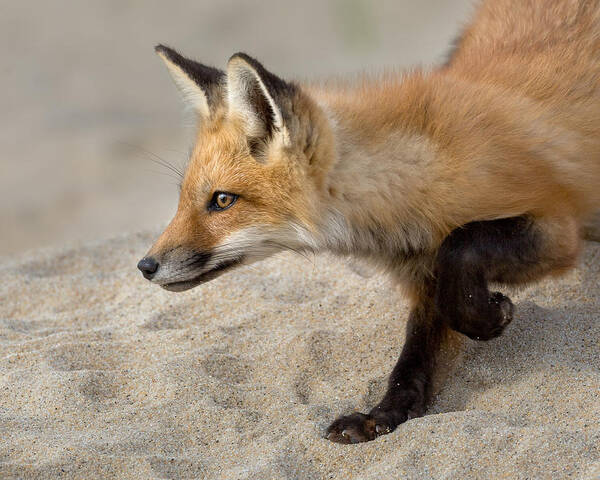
point(222, 200)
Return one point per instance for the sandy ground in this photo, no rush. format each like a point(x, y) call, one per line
point(107, 376)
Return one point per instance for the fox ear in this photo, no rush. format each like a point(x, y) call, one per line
point(260, 97)
point(200, 86)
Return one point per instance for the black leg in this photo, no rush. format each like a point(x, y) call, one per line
point(515, 250)
point(512, 251)
point(410, 384)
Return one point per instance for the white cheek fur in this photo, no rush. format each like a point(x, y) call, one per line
point(259, 242)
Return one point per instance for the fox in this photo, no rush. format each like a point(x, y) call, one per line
point(478, 171)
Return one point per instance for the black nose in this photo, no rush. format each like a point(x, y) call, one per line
point(148, 266)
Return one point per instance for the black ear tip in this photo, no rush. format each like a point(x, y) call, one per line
point(164, 50)
point(245, 57)
point(268, 77)
point(253, 62)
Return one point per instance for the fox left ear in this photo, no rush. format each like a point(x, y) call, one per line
point(263, 99)
point(200, 86)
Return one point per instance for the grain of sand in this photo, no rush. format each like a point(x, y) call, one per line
point(104, 375)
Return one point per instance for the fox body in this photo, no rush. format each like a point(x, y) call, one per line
point(481, 170)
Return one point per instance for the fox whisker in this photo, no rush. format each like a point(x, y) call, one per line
point(155, 158)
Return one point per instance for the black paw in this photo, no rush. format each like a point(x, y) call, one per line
point(492, 320)
point(505, 307)
point(502, 310)
point(481, 317)
point(357, 428)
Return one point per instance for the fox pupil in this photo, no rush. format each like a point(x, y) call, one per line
point(222, 200)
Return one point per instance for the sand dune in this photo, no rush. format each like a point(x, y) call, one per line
point(106, 376)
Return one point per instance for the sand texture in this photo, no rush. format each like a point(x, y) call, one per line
point(104, 375)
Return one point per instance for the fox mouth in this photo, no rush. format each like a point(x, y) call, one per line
point(215, 272)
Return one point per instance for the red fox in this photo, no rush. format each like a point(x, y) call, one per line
point(481, 170)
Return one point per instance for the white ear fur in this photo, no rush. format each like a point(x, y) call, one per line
point(192, 94)
point(243, 83)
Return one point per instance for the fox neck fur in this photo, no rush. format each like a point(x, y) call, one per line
point(421, 154)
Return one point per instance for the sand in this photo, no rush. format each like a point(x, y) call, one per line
point(104, 375)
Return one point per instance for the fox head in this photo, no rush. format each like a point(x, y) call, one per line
point(254, 176)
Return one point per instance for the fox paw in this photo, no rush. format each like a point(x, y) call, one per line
point(502, 310)
point(486, 320)
point(358, 427)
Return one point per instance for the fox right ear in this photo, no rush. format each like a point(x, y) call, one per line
point(200, 86)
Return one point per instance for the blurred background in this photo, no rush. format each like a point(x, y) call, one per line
point(86, 106)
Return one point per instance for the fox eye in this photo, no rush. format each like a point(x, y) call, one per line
point(221, 201)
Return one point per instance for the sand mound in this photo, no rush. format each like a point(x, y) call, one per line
point(105, 375)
